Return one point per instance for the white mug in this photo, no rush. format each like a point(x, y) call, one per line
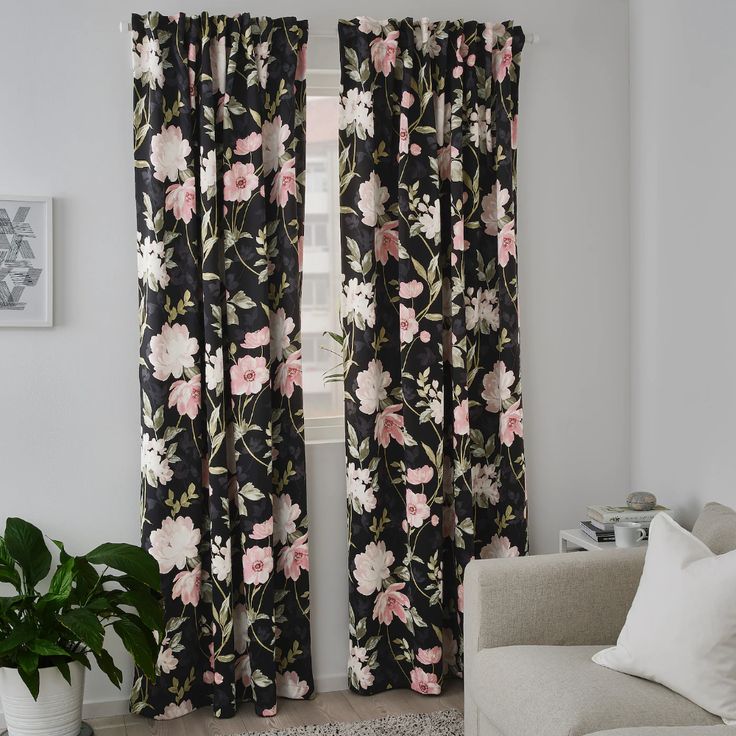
point(629, 533)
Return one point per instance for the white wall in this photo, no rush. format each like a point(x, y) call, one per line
point(69, 429)
point(683, 257)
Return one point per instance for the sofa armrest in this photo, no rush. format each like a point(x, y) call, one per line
point(564, 599)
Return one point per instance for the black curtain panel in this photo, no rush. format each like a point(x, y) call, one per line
point(430, 311)
point(219, 141)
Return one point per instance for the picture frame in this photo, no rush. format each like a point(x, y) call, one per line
point(26, 261)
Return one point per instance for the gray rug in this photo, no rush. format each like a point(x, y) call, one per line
point(439, 723)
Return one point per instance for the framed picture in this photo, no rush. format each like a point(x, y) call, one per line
point(26, 264)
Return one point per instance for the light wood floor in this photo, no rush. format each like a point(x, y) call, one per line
point(326, 708)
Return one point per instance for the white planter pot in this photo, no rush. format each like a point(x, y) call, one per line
point(58, 710)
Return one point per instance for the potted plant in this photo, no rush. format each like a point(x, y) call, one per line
point(47, 639)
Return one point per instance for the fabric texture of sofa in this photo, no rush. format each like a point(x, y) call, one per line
point(531, 627)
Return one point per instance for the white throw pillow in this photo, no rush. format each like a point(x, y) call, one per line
point(681, 628)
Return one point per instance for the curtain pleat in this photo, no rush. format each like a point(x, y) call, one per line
point(435, 459)
point(219, 174)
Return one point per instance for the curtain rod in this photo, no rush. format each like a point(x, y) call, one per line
point(530, 37)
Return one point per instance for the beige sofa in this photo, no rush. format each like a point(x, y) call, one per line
point(531, 627)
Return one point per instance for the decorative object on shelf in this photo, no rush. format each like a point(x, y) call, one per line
point(26, 273)
point(641, 501)
point(47, 639)
point(605, 515)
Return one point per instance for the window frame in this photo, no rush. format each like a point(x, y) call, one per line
point(329, 429)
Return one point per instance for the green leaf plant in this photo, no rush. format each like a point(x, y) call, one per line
point(69, 621)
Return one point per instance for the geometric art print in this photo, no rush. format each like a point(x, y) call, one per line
point(17, 272)
point(25, 268)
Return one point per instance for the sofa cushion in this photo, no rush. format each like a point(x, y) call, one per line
point(681, 628)
point(559, 691)
point(670, 731)
point(716, 526)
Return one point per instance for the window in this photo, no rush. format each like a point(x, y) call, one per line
point(323, 407)
point(316, 294)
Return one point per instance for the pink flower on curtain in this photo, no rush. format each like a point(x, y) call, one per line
point(424, 683)
point(239, 182)
point(383, 52)
point(417, 476)
point(289, 374)
point(294, 558)
point(462, 418)
point(257, 339)
point(417, 509)
point(410, 289)
point(186, 396)
point(187, 586)
point(174, 710)
point(252, 142)
point(511, 425)
point(284, 185)
point(408, 323)
point(212, 677)
point(257, 565)
point(386, 240)
point(458, 236)
point(499, 547)
point(262, 530)
point(502, 59)
point(390, 603)
point(248, 375)
point(288, 685)
point(389, 424)
point(403, 134)
point(506, 244)
point(429, 656)
point(181, 199)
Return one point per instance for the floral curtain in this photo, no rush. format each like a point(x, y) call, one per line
point(433, 408)
point(219, 142)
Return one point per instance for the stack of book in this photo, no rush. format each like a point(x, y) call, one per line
point(600, 521)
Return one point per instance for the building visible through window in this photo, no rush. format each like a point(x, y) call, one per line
point(321, 285)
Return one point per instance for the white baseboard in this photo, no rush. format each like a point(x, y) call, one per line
point(331, 683)
point(104, 708)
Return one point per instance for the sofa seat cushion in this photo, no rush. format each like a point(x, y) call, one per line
point(671, 731)
point(559, 691)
